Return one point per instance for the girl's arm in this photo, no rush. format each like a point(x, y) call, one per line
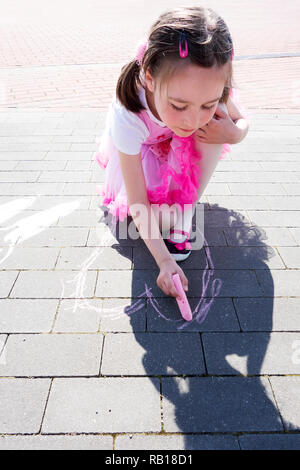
point(241, 124)
point(140, 208)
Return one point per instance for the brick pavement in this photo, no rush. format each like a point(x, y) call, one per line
point(87, 359)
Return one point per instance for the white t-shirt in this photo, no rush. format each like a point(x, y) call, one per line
point(126, 129)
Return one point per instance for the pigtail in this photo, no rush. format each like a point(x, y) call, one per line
point(127, 87)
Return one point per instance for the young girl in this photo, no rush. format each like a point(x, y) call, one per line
point(166, 129)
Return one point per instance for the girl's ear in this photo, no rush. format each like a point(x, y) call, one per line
point(149, 81)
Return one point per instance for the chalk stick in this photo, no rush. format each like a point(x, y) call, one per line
point(183, 303)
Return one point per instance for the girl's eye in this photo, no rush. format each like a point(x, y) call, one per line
point(182, 109)
point(178, 109)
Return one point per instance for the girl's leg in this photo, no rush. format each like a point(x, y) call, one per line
point(166, 217)
point(207, 164)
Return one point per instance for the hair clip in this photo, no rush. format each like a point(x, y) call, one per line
point(183, 52)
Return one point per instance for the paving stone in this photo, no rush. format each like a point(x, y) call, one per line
point(61, 442)
point(80, 218)
point(37, 165)
point(175, 442)
point(67, 176)
point(286, 391)
point(78, 315)
point(275, 218)
point(68, 155)
point(253, 176)
point(123, 315)
point(168, 354)
point(80, 189)
point(212, 314)
point(219, 404)
point(7, 279)
point(54, 284)
point(251, 353)
point(52, 355)
point(221, 218)
point(268, 314)
point(259, 236)
point(243, 257)
point(19, 176)
point(36, 189)
point(27, 315)
point(279, 283)
point(282, 202)
point(22, 404)
point(58, 236)
point(270, 442)
point(78, 165)
point(296, 234)
point(291, 189)
point(290, 256)
point(231, 202)
point(127, 283)
point(96, 405)
point(224, 283)
point(257, 189)
point(31, 258)
point(95, 258)
point(213, 189)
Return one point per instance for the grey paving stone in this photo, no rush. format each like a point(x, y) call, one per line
point(36, 189)
point(296, 234)
point(54, 284)
point(3, 339)
point(78, 165)
point(37, 165)
point(286, 391)
point(80, 189)
point(17, 156)
point(79, 218)
point(176, 442)
point(219, 404)
point(268, 314)
point(65, 176)
point(7, 165)
point(52, 355)
point(96, 405)
point(231, 202)
point(251, 353)
point(123, 315)
point(58, 236)
point(78, 315)
point(7, 279)
point(279, 283)
point(27, 315)
point(40, 442)
point(216, 189)
point(243, 257)
point(291, 188)
point(223, 283)
point(257, 189)
point(270, 441)
point(22, 404)
point(275, 218)
point(68, 155)
point(31, 258)
point(259, 236)
point(290, 256)
point(152, 354)
point(221, 218)
point(49, 202)
point(211, 314)
point(19, 176)
point(288, 203)
point(95, 258)
point(102, 235)
point(260, 176)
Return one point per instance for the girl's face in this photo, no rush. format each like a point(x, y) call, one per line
point(188, 100)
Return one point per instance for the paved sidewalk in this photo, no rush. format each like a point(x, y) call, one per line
point(92, 354)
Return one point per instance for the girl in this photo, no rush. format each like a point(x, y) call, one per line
point(166, 130)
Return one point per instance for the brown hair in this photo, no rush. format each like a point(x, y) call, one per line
point(209, 45)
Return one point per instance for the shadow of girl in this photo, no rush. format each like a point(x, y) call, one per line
point(211, 368)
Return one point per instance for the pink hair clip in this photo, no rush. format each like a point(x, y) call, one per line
point(183, 52)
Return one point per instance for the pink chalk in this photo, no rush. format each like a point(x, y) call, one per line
point(183, 303)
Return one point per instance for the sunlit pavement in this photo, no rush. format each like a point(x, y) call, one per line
point(93, 355)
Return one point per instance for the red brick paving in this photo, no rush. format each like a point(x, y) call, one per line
point(70, 55)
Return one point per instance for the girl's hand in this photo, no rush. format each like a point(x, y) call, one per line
point(165, 282)
point(219, 130)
